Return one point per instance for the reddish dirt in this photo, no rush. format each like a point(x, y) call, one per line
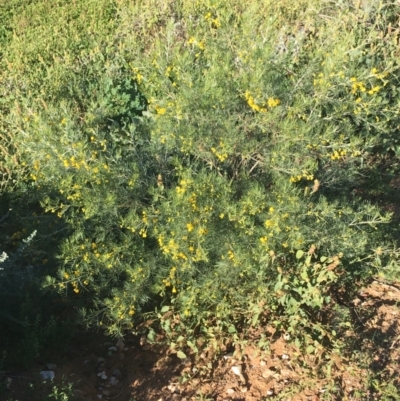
point(138, 371)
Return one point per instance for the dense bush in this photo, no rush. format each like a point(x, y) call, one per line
point(213, 159)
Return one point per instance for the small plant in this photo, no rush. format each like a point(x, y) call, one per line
point(62, 392)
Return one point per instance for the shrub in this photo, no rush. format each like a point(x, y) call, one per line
point(211, 159)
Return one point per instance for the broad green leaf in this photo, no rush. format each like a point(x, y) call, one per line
point(181, 355)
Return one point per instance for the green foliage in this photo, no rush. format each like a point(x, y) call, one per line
point(214, 160)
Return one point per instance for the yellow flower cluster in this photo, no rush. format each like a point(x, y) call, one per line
point(222, 155)
point(357, 86)
point(336, 155)
point(271, 103)
point(160, 110)
point(381, 75)
point(72, 162)
point(200, 44)
point(305, 175)
point(181, 188)
point(252, 103)
point(215, 22)
point(137, 75)
point(170, 281)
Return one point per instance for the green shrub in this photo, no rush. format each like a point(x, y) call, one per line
point(210, 159)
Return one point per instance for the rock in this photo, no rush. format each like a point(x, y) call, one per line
point(47, 374)
point(120, 344)
point(113, 381)
point(51, 366)
point(172, 388)
point(230, 391)
point(112, 349)
point(102, 375)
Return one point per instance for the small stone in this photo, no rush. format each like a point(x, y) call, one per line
point(120, 344)
point(113, 381)
point(237, 370)
point(285, 357)
point(51, 366)
point(172, 388)
point(100, 396)
point(112, 349)
point(263, 363)
point(102, 375)
point(230, 391)
point(266, 374)
point(243, 389)
point(47, 374)
point(270, 392)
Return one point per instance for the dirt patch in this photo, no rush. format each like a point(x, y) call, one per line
point(135, 370)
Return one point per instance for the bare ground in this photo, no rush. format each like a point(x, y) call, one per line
point(134, 370)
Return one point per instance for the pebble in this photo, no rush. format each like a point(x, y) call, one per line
point(113, 381)
point(112, 349)
point(47, 374)
point(120, 344)
point(230, 391)
point(102, 375)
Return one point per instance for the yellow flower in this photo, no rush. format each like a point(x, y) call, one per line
point(269, 223)
point(273, 102)
point(189, 227)
point(160, 110)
